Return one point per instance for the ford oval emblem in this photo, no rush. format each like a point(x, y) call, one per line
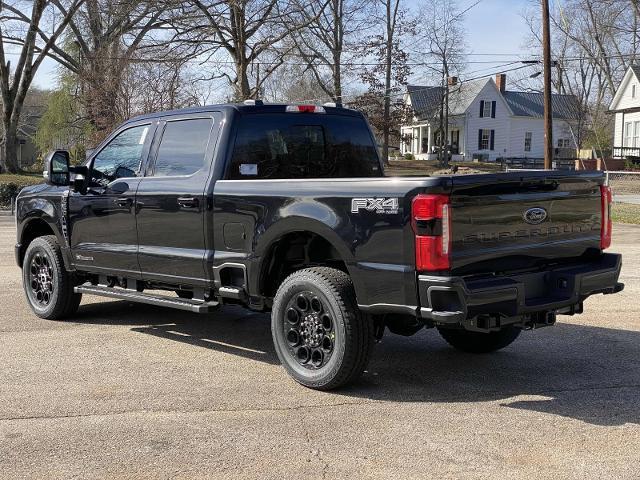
point(535, 215)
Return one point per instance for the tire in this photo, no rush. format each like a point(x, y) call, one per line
point(47, 284)
point(332, 340)
point(479, 342)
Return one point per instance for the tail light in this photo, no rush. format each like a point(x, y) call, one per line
point(605, 228)
point(305, 109)
point(431, 222)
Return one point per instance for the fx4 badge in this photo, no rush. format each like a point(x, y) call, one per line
point(377, 205)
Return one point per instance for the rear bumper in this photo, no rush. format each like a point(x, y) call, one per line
point(452, 300)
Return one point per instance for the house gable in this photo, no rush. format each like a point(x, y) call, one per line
point(628, 93)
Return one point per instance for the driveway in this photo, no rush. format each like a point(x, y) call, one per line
point(132, 391)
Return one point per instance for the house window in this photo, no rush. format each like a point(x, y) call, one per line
point(627, 134)
point(527, 141)
point(486, 139)
point(564, 143)
point(636, 134)
point(486, 109)
point(633, 91)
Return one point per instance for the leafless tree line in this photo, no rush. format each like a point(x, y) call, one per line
point(132, 56)
point(593, 44)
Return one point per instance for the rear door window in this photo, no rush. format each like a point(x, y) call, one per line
point(276, 146)
point(183, 147)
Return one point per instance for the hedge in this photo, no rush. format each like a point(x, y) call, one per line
point(10, 186)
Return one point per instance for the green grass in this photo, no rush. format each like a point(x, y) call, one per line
point(625, 213)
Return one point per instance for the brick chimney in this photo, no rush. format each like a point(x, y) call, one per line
point(452, 81)
point(501, 82)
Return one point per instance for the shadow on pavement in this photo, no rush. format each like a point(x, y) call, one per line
point(576, 371)
point(230, 330)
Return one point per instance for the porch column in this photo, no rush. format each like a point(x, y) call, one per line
point(429, 138)
point(419, 140)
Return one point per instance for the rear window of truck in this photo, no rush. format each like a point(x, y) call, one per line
point(294, 145)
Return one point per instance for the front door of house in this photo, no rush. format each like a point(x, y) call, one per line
point(455, 142)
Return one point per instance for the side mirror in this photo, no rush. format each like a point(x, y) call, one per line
point(57, 168)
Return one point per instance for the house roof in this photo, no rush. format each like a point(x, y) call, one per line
point(425, 101)
point(530, 104)
point(633, 70)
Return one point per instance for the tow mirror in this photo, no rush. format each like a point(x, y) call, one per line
point(57, 168)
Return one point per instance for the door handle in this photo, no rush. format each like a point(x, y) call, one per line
point(123, 202)
point(188, 202)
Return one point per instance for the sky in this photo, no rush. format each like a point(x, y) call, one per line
point(492, 27)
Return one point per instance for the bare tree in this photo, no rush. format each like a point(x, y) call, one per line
point(442, 40)
point(594, 42)
point(253, 34)
point(25, 32)
point(155, 86)
point(389, 70)
point(331, 40)
point(106, 36)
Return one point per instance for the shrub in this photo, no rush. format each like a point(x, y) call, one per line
point(409, 156)
point(10, 186)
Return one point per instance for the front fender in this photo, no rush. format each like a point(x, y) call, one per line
point(33, 212)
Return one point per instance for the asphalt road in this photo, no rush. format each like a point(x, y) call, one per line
point(130, 391)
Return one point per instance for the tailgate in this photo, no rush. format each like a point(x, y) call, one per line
point(512, 221)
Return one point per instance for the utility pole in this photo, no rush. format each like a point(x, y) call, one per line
point(548, 119)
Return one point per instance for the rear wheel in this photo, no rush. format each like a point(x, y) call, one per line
point(320, 336)
point(47, 284)
point(479, 342)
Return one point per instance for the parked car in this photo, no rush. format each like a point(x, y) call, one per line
point(285, 208)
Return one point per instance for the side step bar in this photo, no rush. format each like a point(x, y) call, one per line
point(196, 306)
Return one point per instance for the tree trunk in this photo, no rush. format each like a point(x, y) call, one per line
point(8, 154)
point(242, 87)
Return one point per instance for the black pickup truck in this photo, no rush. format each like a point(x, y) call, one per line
point(285, 208)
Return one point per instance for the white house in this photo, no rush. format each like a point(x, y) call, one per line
point(626, 106)
point(486, 121)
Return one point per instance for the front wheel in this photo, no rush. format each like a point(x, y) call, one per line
point(479, 342)
point(320, 336)
point(47, 284)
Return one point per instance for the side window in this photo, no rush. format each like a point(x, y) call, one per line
point(272, 146)
point(121, 157)
point(183, 147)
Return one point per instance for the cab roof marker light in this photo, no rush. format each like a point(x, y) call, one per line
point(305, 109)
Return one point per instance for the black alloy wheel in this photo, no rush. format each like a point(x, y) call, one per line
point(319, 333)
point(309, 330)
point(47, 284)
point(41, 282)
